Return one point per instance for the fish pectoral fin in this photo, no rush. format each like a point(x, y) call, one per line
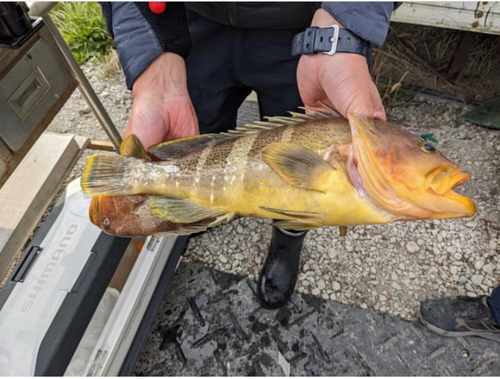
point(298, 166)
point(133, 147)
point(181, 210)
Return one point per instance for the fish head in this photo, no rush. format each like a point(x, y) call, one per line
point(119, 215)
point(405, 174)
point(102, 212)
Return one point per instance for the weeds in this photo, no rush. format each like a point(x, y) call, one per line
point(84, 30)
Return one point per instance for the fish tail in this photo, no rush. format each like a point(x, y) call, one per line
point(110, 175)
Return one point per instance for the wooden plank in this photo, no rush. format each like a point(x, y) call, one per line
point(29, 190)
point(473, 16)
point(101, 145)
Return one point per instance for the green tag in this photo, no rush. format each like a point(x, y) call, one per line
point(429, 137)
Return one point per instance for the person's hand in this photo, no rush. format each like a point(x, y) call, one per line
point(341, 81)
point(162, 109)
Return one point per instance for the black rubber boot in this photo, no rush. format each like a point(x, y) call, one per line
point(279, 273)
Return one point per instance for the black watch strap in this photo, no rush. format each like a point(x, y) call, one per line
point(330, 41)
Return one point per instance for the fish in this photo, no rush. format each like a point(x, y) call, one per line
point(131, 216)
point(304, 172)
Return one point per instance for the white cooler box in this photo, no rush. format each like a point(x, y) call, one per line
point(78, 289)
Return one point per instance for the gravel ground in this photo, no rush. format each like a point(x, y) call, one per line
point(388, 269)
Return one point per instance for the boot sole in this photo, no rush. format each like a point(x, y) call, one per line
point(486, 335)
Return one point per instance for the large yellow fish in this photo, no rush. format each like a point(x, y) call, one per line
point(305, 171)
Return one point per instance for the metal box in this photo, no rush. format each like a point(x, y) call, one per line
point(35, 82)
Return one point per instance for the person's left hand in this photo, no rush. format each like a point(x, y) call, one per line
point(341, 81)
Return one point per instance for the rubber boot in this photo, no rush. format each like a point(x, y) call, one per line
point(279, 273)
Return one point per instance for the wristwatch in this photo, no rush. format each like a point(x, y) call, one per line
point(329, 41)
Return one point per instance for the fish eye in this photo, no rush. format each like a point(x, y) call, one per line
point(427, 147)
point(105, 223)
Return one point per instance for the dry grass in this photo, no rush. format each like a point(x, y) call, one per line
point(420, 56)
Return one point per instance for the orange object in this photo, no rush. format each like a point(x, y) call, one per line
point(158, 7)
point(139, 245)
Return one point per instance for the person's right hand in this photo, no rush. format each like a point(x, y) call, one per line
point(162, 109)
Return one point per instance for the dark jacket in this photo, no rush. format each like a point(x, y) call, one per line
point(141, 35)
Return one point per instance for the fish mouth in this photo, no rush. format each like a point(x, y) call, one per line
point(94, 209)
point(442, 182)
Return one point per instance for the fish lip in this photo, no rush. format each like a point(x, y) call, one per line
point(459, 178)
point(94, 209)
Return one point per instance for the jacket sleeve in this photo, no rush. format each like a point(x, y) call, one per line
point(368, 20)
point(141, 36)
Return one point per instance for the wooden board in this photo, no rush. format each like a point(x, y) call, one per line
point(473, 16)
point(29, 190)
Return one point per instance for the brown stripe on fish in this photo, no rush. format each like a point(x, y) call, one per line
point(237, 158)
point(267, 137)
point(200, 170)
point(216, 163)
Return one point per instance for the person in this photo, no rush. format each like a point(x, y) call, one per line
point(464, 316)
point(190, 66)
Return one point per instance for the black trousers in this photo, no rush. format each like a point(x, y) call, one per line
point(227, 63)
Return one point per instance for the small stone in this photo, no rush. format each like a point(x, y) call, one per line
point(471, 224)
point(471, 294)
point(453, 269)
point(478, 265)
point(394, 276)
point(396, 286)
point(489, 268)
point(223, 259)
point(84, 111)
point(348, 248)
point(476, 279)
point(321, 284)
point(256, 238)
point(364, 306)
point(357, 261)
point(336, 286)
point(457, 256)
point(238, 256)
point(316, 292)
point(412, 247)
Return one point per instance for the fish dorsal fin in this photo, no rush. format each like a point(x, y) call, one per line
point(298, 166)
point(279, 121)
point(180, 147)
point(177, 148)
point(133, 147)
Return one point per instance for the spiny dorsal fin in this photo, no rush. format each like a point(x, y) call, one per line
point(180, 147)
point(177, 148)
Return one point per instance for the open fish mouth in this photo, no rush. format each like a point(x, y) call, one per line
point(444, 179)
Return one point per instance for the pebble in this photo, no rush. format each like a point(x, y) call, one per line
point(412, 247)
point(321, 284)
point(336, 286)
point(489, 268)
point(476, 279)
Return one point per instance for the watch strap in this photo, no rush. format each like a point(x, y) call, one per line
point(329, 41)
